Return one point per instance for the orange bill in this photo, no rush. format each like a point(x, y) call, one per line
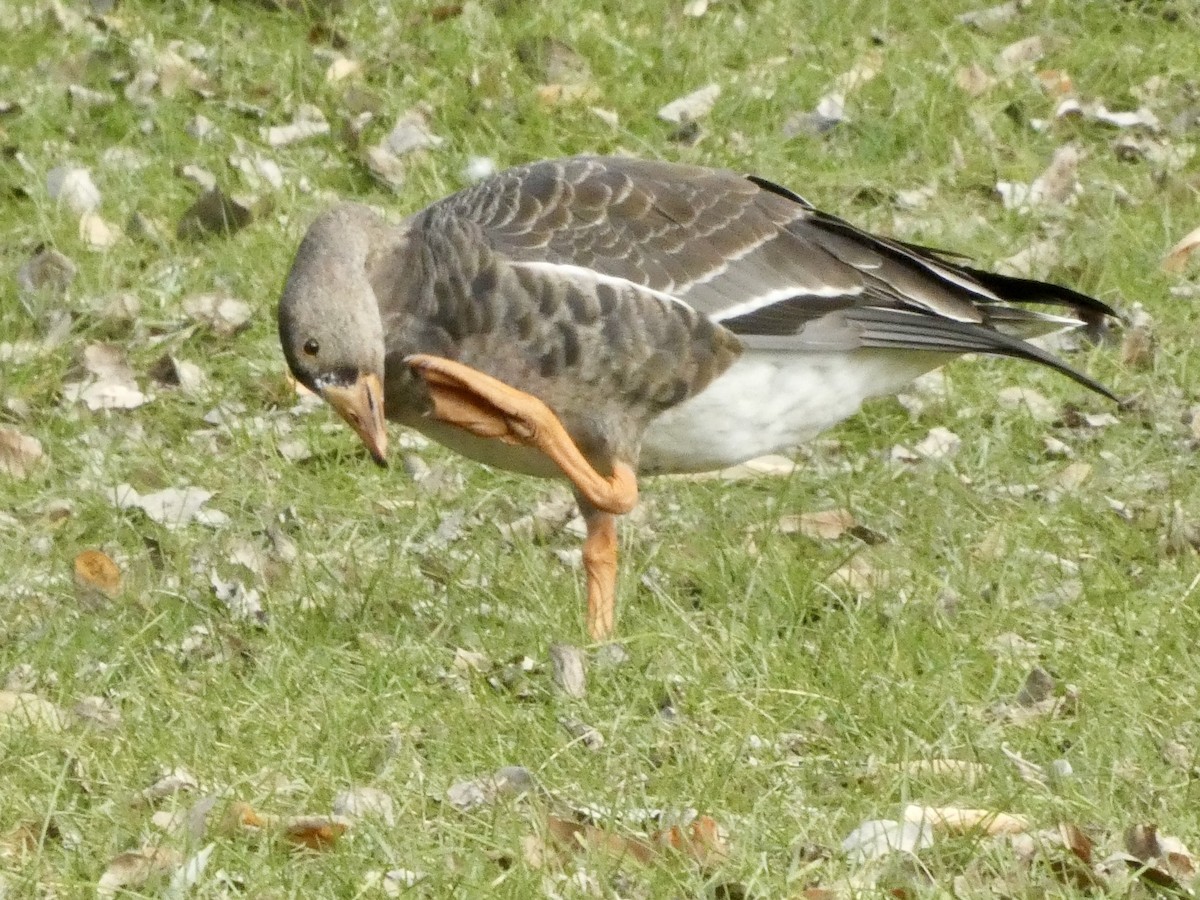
point(361, 405)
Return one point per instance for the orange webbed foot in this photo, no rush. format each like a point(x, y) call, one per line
point(487, 407)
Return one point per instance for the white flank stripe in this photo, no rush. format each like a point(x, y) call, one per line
point(591, 276)
point(776, 296)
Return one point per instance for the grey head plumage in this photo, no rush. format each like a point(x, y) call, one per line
point(329, 321)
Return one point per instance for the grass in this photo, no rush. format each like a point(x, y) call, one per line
point(353, 682)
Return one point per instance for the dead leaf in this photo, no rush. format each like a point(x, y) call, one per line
point(169, 371)
point(365, 803)
point(1050, 707)
point(342, 68)
point(313, 832)
point(1176, 260)
point(172, 783)
point(309, 123)
point(95, 571)
point(97, 233)
point(476, 792)
point(1098, 112)
point(547, 518)
point(136, 868)
point(241, 817)
point(19, 842)
point(215, 213)
point(575, 836)
point(691, 107)
point(564, 94)
point(316, 832)
point(471, 794)
point(223, 314)
point(829, 112)
point(940, 443)
point(1038, 686)
point(957, 820)
point(1035, 260)
point(188, 875)
point(582, 732)
point(106, 394)
point(1040, 408)
point(30, 710)
point(73, 188)
point(1055, 82)
point(859, 576)
point(258, 171)
point(99, 712)
point(176, 73)
point(392, 883)
point(1056, 448)
point(826, 525)
point(1020, 55)
point(1030, 772)
point(991, 16)
point(865, 69)
point(1073, 476)
point(19, 453)
point(85, 96)
point(877, 838)
point(1057, 186)
point(202, 177)
point(47, 270)
point(1163, 852)
point(773, 466)
point(701, 841)
point(410, 134)
point(173, 507)
point(974, 80)
point(1178, 755)
point(243, 603)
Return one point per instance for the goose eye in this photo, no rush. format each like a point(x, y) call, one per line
point(311, 347)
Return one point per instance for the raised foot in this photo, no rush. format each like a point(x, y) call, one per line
point(487, 407)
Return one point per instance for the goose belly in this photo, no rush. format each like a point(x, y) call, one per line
point(771, 401)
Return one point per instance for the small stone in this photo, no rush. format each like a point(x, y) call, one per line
point(569, 669)
point(1038, 686)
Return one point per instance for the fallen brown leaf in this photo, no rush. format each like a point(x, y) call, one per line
point(957, 820)
point(826, 524)
point(135, 868)
point(1019, 55)
point(365, 803)
point(30, 710)
point(701, 841)
point(1176, 260)
point(858, 575)
point(1165, 859)
point(19, 453)
point(170, 784)
point(577, 836)
point(691, 107)
point(314, 832)
point(96, 571)
point(974, 80)
point(223, 314)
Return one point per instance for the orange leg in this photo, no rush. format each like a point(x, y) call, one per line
point(488, 407)
point(600, 563)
